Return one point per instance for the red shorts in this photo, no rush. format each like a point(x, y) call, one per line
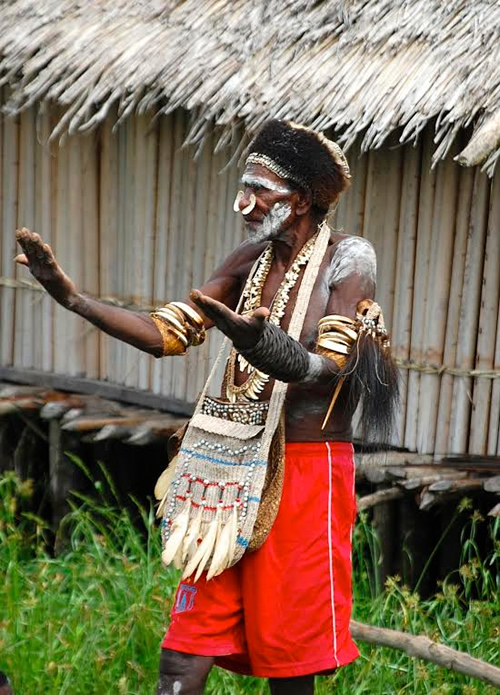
point(283, 610)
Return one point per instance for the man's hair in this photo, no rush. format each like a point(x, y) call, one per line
point(304, 157)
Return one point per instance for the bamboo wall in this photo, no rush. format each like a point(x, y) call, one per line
point(132, 216)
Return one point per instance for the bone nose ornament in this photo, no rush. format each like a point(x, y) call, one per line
point(248, 209)
point(236, 204)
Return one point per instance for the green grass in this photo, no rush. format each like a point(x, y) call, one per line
point(91, 619)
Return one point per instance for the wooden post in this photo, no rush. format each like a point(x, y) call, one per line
point(65, 476)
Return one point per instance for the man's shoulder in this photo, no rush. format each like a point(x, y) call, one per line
point(351, 254)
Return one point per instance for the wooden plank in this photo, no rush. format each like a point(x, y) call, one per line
point(104, 389)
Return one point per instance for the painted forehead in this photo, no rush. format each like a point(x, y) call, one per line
point(258, 176)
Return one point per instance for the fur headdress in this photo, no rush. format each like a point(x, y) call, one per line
point(303, 156)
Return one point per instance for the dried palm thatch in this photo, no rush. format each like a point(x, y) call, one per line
point(359, 66)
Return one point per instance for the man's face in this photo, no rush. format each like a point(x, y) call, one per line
point(273, 207)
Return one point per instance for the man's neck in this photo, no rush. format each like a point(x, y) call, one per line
point(292, 239)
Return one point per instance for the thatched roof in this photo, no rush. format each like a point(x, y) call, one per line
point(360, 66)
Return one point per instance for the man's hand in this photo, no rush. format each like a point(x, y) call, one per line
point(41, 262)
point(244, 331)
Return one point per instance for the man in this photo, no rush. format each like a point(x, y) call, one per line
point(283, 611)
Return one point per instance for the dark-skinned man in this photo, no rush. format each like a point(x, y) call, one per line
point(282, 611)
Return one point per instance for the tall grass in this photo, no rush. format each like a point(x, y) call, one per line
point(90, 620)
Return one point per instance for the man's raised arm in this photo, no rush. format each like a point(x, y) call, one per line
point(171, 327)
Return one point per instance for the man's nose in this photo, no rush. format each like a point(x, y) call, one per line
point(245, 201)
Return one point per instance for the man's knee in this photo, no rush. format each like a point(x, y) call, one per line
point(182, 674)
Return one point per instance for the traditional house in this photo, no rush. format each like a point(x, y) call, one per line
point(122, 128)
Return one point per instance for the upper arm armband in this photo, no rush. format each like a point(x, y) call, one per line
point(337, 334)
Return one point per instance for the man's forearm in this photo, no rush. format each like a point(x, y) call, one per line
point(285, 359)
point(131, 327)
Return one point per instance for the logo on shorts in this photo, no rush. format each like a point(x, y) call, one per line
point(185, 598)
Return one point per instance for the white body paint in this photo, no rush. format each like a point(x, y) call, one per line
point(353, 255)
point(315, 367)
point(271, 224)
point(177, 687)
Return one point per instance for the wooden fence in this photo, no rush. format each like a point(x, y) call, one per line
point(134, 218)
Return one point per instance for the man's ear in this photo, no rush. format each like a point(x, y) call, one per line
point(304, 202)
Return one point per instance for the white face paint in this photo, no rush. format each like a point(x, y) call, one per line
point(271, 225)
point(254, 181)
point(177, 687)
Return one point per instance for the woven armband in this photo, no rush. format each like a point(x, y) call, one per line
point(180, 326)
point(278, 355)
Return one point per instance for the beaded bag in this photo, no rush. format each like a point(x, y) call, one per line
point(212, 491)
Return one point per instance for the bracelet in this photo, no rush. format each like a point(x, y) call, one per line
point(180, 326)
point(336, 336)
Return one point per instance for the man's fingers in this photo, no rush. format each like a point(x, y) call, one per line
point(211, 307)
point(33, 247)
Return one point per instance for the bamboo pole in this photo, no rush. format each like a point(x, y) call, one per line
point(24, 334)
point(194, 191)
point(422, 264)
point(438, 291)
point(89, 245)
point(144, 194)
point(422, 647)
point(133, 181)
point(160, 282)
point(351, 213)
point(493, 446)
point(405, 272)
point(8, 215)
point(108, 237)
point(175, 266)
point(487, 333)
point(199, 248)
point(46, 164)
point(469, 314)
point(453, 326)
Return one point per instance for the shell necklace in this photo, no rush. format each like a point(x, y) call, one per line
point(253, 386)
